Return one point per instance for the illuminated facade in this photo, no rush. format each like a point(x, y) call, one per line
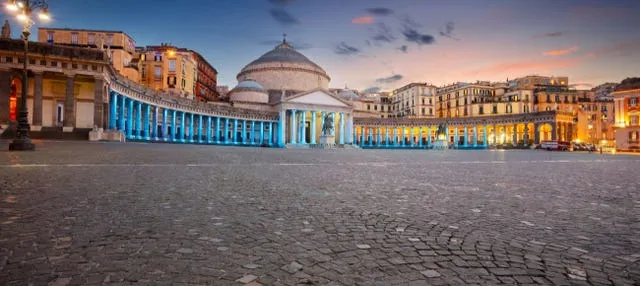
point(415, 100)
point(627, 116)
point(168, 68)
point(280, 101)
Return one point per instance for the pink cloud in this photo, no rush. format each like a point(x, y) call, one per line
point(362, 20)
point(561, 52)
point(524, 66)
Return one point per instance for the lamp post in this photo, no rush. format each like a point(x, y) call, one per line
point(24, 8)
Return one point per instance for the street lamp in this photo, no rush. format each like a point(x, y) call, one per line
point(23, 9)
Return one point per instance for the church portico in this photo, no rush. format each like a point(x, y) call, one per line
point(305, 114)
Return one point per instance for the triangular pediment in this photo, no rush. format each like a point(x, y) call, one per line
point(318, 97)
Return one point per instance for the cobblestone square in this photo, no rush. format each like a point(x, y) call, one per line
point(79, 213)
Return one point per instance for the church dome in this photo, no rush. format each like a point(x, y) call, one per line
point(284, 68)
point(348, 95)
point(249, 91)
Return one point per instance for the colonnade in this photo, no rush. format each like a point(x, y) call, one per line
point(460, 136)
point(297, 122)
point(146, 122)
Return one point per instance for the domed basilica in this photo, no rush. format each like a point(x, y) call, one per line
point(285, 81)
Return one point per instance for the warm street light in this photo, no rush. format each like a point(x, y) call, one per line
point(24, 8)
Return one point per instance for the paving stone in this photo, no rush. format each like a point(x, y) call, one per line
point(430, 273)
point(247, 279)
point(118, 213)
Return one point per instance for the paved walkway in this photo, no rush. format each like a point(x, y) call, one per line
point(103, 213)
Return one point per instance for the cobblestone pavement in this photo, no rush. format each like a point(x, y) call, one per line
point(160, 214)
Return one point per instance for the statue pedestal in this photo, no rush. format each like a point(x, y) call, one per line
point(440, 145)
point(328, 139)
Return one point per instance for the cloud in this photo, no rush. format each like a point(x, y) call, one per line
point(448, 31)
point(584, 84)
point(391, 79)
point(296, 45)
point(373, 89)
point(362, 20)
point(412, 35)
point(408, 21)
point(380, 11)
point(382, 33)
point(555, 53)
point(549, 35)
point(283, 17)
point(626, 48)
point(525, 66)
point(281, 2)
point(404, 48)
point(344, 49)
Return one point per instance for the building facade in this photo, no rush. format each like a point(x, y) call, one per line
point(119, 47)
point(168, 68)
point(280, 100)
point(206, 80)
point(627, 116)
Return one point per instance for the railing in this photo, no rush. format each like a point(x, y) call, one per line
point(53, 50)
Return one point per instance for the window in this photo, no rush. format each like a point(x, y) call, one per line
point(109, 39)
point(423, 113)
point(634, 120)
point(158, 72)
point(172, 65)
point(557, 98)
point(50, 36)
point(481, 110)
point(526, 108)
point(430, 111)
point(91, 39)
point(368, 107)
point(509, 108)
point(143, 72)
point(495, 109)
point(74, 38)
point(375, 107)
point(633, 101)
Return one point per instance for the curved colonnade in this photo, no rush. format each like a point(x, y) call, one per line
point(145, 115)
point(463, 133)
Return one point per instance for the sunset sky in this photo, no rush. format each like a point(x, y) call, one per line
point(386, 44)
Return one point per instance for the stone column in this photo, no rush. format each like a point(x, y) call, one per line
point(303, 129)
point(208, 129)
point(130, 119)
point(475, 135)
point(200, 128)
point(271, 127)
point(515, 134)
point(525, 136)
point(252, 134)
point(121, 115)
point(114, 111)
point(36, 123)
point(554, 134)
point(466, 136)
point(333, 117)
point(235, 131)
point(163, 130)
point(69, 121)
point(243, 133)
point(456, 136)
point(293, 126)
point(217, 130)
point(349, 128)
point(261, 138)
point(313, 127)
point(484, 135)
point(183, 124)
point(227, 136)
point(281, 123)
point(147, 111)
point(536, 133)
point(342, 128)
point(191, 132)
point(138, 119)
point(421, 136)
point(174, 130)
point(428, 137)
point(5, 93)
point(362, 135)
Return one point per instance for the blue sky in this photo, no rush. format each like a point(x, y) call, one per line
point(388, 43)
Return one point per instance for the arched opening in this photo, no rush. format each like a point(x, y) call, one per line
point(16, 88)
point(545, 132)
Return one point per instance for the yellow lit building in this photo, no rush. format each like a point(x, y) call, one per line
point(169, 69)
point(627, 117)
point(536, 81)
point(119, 46)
